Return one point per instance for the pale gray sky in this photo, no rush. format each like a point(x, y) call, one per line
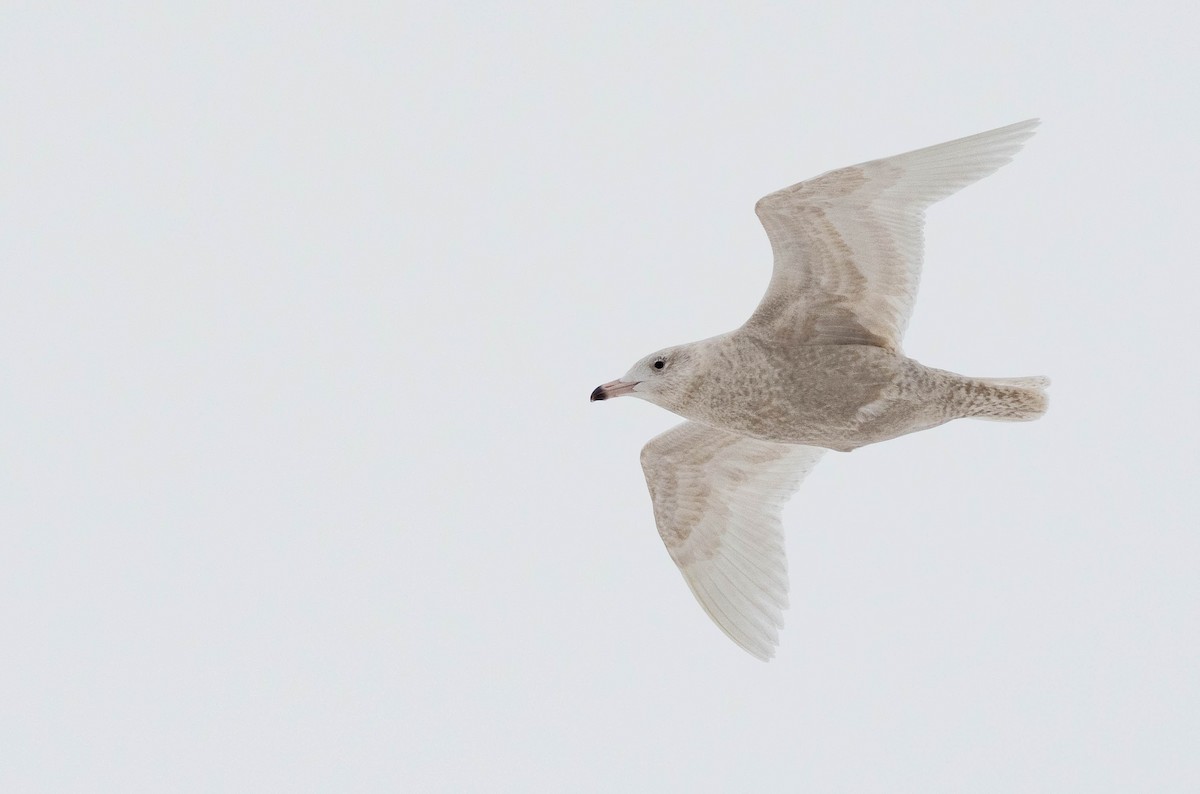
point(301, 488)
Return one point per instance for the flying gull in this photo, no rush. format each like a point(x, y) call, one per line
point(817, 366)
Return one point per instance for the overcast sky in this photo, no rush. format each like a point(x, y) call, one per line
point(301, 489)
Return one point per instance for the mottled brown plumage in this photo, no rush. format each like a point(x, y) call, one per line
point(818, 365)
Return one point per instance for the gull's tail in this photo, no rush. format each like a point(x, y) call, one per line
point(1008, 399)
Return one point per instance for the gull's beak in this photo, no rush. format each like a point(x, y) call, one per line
point(613, 389)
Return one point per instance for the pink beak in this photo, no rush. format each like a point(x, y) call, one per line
point(613, 389)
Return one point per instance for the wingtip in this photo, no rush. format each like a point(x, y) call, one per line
point(1028, 125)
point(763, 654)
point(1022, 130)
point(1015, 133)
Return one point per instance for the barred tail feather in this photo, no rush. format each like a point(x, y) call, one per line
point(1010, 399)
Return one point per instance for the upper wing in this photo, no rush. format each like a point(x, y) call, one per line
point(717, 501)
point(848, 243)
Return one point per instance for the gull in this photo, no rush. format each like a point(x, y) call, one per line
point(817, 366)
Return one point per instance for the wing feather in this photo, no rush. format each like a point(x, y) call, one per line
point(848, 244)
point(717, 501)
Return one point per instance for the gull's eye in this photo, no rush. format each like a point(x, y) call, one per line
point(659, 364)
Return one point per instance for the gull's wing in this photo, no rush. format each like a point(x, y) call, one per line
point(717, 501)
point(848, 243)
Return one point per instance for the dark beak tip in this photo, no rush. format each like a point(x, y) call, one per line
point(598, 394)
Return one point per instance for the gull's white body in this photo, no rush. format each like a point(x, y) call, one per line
point(817, 366)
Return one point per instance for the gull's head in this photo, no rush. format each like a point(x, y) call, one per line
point(659, 378)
